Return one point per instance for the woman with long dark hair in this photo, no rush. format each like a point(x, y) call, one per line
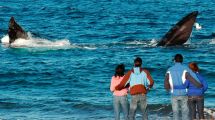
point(119, 96)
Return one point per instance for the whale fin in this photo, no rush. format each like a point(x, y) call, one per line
point(180, 32)
point(15, 31)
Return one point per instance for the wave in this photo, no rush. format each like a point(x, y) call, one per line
point(155, 108)
point(42, 44)
point(8, 105)
point(36, 42)
point(144, 43)
point(13, 104)
point(188, 42)
point(153, 43)
point(25, 83)
point(124, 43)
point(212, 41)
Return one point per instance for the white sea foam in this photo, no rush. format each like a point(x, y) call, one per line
point(153, 42)
point(188, 42)
point(198, 26)
point(212, 41)
point(146, 43)
point(89, 48)
point(135, 42)
point(5, 39)
point(33, 42)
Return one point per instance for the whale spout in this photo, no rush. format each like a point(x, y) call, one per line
point(179, 33)
point(15, 31)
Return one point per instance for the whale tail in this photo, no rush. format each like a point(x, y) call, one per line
point(180, 32)
point(15, 31)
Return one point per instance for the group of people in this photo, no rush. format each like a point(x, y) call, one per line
point(186, 85)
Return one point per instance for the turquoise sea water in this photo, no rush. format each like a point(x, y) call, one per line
point(64, 71)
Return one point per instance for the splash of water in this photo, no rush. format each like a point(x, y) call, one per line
point(5, 39)
point(145, 43)
point(36, 43)
point(197, 26)
point(212, 41)
point(188, 42)
point(153, 42)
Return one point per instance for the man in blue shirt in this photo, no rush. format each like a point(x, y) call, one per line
point(175, 79)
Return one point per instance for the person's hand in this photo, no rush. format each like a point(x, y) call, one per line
point(114, 89)
point(147, 90)
point(128, 85)
point(117, 88)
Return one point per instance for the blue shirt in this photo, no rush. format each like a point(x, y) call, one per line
point(177, 78)
point(192, 89)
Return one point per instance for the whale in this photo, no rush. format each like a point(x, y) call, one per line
point(15, 31)
point(177, 35)
point(180, 32)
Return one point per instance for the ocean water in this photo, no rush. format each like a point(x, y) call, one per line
point(63, 71)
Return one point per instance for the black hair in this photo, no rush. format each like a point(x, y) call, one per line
point(119, 70)
point(178, 58)
point(138, 60)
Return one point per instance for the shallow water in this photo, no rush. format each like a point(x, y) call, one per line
point(65, 73)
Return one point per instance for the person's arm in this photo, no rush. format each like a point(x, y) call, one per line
point(187, 84)
point(124, 81)
point(166, 82)
point(192, 80)
point(149, 78)
point(127, 85)
point(204, 82)
point(112, 87)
